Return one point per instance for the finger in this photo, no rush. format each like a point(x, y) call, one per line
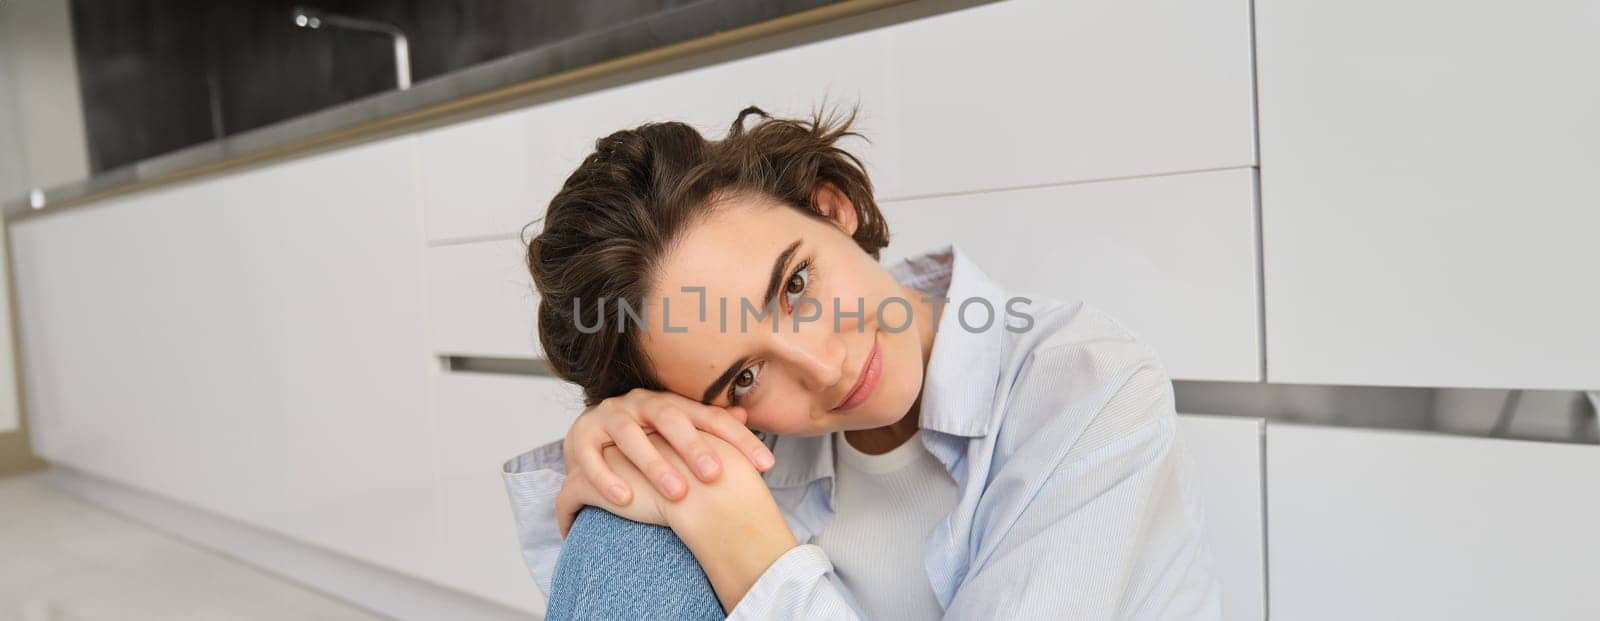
point(718, 422)
point(566, 510)
point(575, 494)
point(679, 430)
point(590, 437)
point(729, 424)
point(592, 464)
point(636, 446)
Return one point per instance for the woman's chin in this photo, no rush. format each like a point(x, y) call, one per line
point(886, 407)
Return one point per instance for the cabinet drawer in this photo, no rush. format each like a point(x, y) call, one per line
point(1173, 258)
point(1399, 525)
point(1027, 92)
point(1429, 196)
point(481, 421)
point(481, 300)
point(476, 181)
point(1228, 455)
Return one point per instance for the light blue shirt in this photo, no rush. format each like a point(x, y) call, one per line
point(1076, 498)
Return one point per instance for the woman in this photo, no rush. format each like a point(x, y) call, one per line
point(780, 427)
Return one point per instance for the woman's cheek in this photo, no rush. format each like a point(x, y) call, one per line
point(761, 419)
point(778, 420)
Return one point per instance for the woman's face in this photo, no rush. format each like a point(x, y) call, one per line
point(792, 380)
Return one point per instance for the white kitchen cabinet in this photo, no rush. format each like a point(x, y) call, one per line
point(490, 177)
point(1029, 92)
point(1227, 454)
point(1428, 192)
point(1171, 257)
point(481, 300)
point(485, 419)
point(1393, 525)
point(250, 344)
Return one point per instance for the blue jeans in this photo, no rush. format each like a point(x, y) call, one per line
point(615, 568)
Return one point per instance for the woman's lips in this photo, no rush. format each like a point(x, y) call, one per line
point(866, 381)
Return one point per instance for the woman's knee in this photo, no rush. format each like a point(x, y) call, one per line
point(611, 566)
point(599, 536)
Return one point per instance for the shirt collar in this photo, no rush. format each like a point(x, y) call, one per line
point(963, 371)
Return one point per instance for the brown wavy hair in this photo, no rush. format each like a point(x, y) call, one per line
point(605, 233)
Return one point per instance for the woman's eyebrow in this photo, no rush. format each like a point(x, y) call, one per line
point(722, 380)
point(772, 291)
point(777, 273)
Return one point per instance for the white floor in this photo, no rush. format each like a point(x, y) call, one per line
point(64, 559)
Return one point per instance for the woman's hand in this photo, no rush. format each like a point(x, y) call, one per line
point(576, 491)
point(625, 421)
point(704, 500)
point(732, 525)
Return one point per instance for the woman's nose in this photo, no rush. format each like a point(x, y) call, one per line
point(819, 362)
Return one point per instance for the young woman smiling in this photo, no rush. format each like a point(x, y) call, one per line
point(886, 442)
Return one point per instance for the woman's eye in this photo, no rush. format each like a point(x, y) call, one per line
point(743, 384)
point(798, 282)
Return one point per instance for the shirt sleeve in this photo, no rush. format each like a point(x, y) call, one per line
point(1114, 532)
point(532, 481)
point(801, 584)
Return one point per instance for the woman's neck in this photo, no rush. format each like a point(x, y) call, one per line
point(880, 440)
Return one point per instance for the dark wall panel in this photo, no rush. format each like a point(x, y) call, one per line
point(142, 77)
point(159, 75)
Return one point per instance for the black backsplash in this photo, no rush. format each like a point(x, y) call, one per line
point(160, 75)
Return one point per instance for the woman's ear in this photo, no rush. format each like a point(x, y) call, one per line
point(832, 203)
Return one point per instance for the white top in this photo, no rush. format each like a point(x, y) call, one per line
point(885, 508)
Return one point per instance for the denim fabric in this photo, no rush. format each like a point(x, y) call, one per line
point(614, 568)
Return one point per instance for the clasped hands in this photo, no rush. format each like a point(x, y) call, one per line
point(630, 454)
